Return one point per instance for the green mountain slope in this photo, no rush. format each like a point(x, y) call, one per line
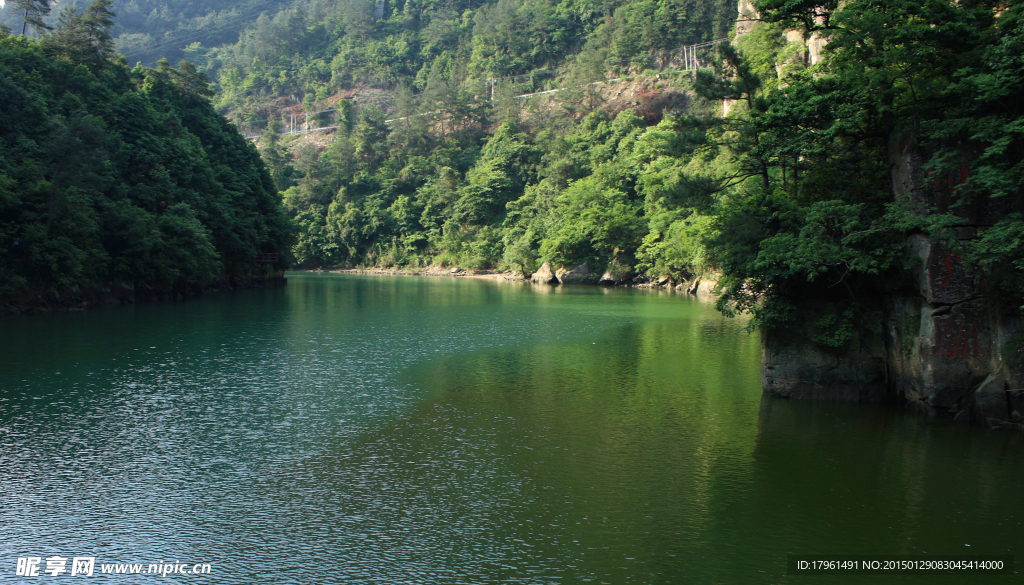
point(318, 48)
point(437, 185)
point(790, 195)
point(110, 174)
point(767, 165)
point(148, 30)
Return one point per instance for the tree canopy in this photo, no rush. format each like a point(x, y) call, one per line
point(111, 174)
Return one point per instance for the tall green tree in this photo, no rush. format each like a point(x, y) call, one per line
point(84, 37)
point(33, 12)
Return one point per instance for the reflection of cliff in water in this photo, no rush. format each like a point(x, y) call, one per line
point(868, 479)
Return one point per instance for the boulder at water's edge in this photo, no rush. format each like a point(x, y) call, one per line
point(544, 275)
point(579, 275)
point(619, 270)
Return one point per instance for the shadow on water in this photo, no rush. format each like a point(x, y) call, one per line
point(650, 456)
point(837, 478)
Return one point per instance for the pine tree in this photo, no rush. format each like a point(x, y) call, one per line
point(98, 19)
point(84, 37)
point(34, 11)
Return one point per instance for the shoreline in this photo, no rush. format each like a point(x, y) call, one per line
point(428, 271)
point(79, 298)
point(698, 288)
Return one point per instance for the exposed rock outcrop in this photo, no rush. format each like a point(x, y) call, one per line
point(619, 270)
point(705, 285)
point(544, 275)
point(579, 275)
point(812, 43)
point(945, 353)
point(793, 366)
point(961, 361)
point(943, 349)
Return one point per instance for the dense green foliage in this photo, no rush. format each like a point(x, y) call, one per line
point(821, 214)
point(566, 193)
point(271, 48)
point(116, 174)
point(147, 30)
point(315, 49)
point(790, 196)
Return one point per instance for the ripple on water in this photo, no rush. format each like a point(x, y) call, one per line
point(356, 429)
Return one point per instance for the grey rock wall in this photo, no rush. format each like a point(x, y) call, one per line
point(959, 361)
point(945, 352)
point(619, 270)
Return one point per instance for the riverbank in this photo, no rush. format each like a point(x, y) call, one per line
point(437, 271)
point(705, 286)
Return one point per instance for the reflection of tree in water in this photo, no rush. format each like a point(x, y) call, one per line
point(869, 479)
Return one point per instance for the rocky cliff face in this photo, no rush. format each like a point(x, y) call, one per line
point(952, 352)
point(944, 349)
point(958, 361)
point(812, 45)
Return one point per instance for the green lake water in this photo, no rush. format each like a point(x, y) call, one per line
point(349, 429)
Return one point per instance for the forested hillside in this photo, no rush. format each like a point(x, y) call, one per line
point(148, 30)
point(317, 48)
point(468, 175)
point(118, 175)
point(788, 191)
point(790, 195)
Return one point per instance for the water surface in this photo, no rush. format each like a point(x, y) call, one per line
point(351, 429)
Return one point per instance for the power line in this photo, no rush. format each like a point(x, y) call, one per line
point(387, 99)
point(201, 33)
point(194, 36)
